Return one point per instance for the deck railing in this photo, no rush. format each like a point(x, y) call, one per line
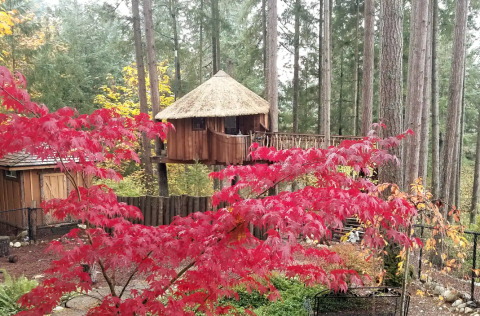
point(234, 149)
point(289, 140)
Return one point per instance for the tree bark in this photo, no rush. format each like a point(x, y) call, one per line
point(340, 95)
point(476, 180)
point(327, 73)
point(391, 92)
point(459, 164)
point(264, 48)
point(200, 53)
point(142, 91)
point(215, 64)
point(355, 73)
point(320, 71)
point(296, 66)
point(368, 67)
point(272, 65)
point(154, 93)
point(454, 98)
point(416, 63)
point(427, 86)
point(178, 74)
point(435, 106)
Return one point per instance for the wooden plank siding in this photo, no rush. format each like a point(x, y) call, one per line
point(10, 199)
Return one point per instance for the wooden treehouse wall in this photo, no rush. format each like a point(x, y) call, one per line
point(186, 144)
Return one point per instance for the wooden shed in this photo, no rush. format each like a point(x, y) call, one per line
point(25, 178)
point(214, 123)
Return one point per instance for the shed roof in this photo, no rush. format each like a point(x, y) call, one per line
point(220, 96)
point(24, 160)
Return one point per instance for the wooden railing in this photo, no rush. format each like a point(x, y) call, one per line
point(289, 140)
point(228, 149)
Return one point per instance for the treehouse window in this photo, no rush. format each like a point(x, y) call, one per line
point(10, 174)
point(231, 125)
point(198, 123)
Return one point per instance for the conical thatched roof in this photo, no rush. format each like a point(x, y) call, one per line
point(220, 96)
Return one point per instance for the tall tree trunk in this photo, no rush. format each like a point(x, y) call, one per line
point(320, 70)
point(391, 97)
point(458, 178)
point(427, 86)
point(178, 74)
point(476, 180)
point(200, 53)
point(391, 93)
point(264, 48)
point(154, 93)
point(368, 67)
point(435, 107)
point(142, 91)
point(327, 73)
point(217, 36)
point(454, 97)
point(340, 95)
point(416, 62)
point(296, 66)
point(272, 64)
point(355, 72)
point(215, 64)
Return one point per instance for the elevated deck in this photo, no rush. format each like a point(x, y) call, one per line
point(224, 149)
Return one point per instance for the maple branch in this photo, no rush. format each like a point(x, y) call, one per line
point(71, 177)
point(17, 100)
point(104, 272)
point(134, 272)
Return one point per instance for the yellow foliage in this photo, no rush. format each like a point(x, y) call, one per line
point(124, 98)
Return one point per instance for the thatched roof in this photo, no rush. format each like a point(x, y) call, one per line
point(220, 96)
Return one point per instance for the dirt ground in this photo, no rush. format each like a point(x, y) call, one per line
point(32, 261)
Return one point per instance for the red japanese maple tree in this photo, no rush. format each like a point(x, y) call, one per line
point(192, 263)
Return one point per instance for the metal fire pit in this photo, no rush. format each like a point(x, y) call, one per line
point(371, 301)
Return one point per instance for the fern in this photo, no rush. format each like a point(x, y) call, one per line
point(11, 291)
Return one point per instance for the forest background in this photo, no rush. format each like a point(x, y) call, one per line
point(81, 54)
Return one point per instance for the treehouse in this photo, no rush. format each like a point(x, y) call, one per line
point(217, 122)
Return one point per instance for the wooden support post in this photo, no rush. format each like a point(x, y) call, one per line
point(33, 221)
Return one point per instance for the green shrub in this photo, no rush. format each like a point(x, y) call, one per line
point(11, 291)
point(293, 294)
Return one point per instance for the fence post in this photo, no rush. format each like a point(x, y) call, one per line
point(472, 291)
point(420, 256)
point(32, 221)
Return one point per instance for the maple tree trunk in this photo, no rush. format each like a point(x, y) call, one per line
point(355, 72)
point(476, 180)
point(272, 65)
point(296, 83)
point(435, 106)
point(142, 91)
point(368, 67)
point(200, 53)
point(178, 74)
point(391, 92)
point(154, 93)
point(320, 71)
point(327, 73)
point(416, 63)
point(427, 86)
point(454, 97)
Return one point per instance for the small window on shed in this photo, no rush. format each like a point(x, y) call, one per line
point(198, 123)
point(11, 174)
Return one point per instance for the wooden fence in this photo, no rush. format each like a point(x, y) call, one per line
point(158, 210)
